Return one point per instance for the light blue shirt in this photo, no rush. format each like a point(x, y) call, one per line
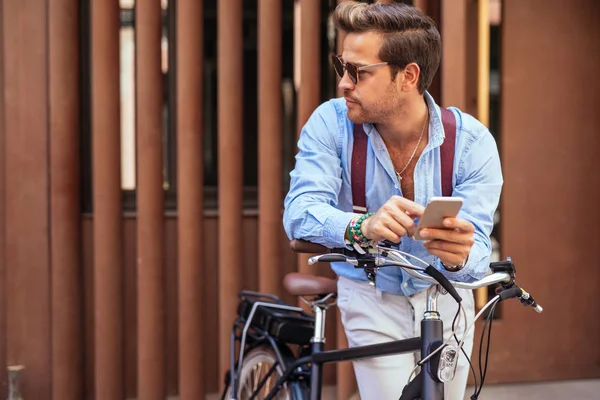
point(318, 206)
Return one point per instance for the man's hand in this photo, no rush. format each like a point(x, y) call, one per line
point(393, 220)
point(451, 245)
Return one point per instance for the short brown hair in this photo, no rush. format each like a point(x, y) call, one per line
point(409, 35)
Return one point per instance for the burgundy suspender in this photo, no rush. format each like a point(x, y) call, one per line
point(359, 161)
point(359, 170)
point(447, 150)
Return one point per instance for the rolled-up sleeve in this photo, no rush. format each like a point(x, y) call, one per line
point(479, 186)
point(315, 183)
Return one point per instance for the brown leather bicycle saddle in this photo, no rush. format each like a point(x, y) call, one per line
point(299, 284)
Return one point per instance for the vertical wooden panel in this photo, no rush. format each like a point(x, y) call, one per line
point(210, 313)
point(422, 4)
point(483, 93)
point(3, 375)
point(150, 202)
point(26, 188)
point(549, 144)
point(309, 88)
point(483, 61)
point(459, 55)
point(341, 35)
point(190, 175)
point(130, 305)
point(346, 382)
point(106, 155)
point(67, 339)
point(270, 140)
point(454, 54)
point(433, 9)
point(230, 96)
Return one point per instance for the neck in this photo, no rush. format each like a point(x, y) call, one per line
point(407, 124)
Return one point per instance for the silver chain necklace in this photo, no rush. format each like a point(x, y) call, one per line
point(399, 174)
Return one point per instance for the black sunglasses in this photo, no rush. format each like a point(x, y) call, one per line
point(340, 66)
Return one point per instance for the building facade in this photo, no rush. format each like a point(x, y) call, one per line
point(145, 147)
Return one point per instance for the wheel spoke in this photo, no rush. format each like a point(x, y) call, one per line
point(255, 369)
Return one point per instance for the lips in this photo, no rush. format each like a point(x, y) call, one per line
point(350, 100)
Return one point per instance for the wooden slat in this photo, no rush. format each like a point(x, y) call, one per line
point(483, 61)
point(483, 92)
point(269, 141)
point(309, 88)
point(150, 201)
point(190, 184)
point(459, 55)
point(67, 335)
point(230, 97)
point(3, 374)
point(106, 156)
point(28, 341)
point(454, 54)
point(345, 380)
point(549, 145)
point(341, 35)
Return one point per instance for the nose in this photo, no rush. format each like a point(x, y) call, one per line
point(345, 83)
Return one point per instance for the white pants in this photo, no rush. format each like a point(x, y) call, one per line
point(371, 316)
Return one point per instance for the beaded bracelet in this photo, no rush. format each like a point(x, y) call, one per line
point(354, 232)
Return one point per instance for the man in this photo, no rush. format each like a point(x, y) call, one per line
point(390, 55)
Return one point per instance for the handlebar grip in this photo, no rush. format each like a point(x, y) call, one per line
point(302, 246)
point(333, 257)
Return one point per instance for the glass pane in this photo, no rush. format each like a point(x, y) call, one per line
point(127, 84)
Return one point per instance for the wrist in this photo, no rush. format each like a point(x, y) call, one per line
point(354, 230)
point(457, 267)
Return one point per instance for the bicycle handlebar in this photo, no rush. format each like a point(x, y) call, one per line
point(380, 256)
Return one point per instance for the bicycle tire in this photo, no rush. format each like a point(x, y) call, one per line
point(263, 357)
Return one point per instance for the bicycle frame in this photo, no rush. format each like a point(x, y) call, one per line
point(431, 338)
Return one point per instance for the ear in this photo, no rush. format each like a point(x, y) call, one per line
point(411, 77)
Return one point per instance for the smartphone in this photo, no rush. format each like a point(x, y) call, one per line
point(437, 209)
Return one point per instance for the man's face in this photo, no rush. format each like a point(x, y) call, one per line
point(376, 97)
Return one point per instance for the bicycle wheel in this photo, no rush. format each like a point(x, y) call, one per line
point(257, 362)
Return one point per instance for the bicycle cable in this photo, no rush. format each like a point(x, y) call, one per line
point(482, 374)
point(462, 350)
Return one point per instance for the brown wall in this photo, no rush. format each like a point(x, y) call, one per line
point(26, 245)
point(548, 143)
point(246, 248)
point(550, 218)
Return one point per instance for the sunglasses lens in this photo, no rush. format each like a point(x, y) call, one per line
point(338, 66)
point(352, 72)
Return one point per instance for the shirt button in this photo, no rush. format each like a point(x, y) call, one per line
point(405, 284)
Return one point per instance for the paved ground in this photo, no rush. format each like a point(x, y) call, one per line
point(568, 390)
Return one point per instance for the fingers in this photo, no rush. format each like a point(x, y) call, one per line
point(396, 219)
point(457, 231)
point(447, 247)
point(448, 235)
point(460, 224)
point(452, 244)
point(384, 226)
point(411, 208)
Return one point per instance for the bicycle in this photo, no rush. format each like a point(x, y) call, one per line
point(282, 347)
